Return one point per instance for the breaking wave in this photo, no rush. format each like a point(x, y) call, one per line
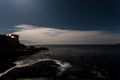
point(25, 63)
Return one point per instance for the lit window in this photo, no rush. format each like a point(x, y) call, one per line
point(8, 34)
point(12, 36)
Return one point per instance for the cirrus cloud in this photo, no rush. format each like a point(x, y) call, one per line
point(44, 35)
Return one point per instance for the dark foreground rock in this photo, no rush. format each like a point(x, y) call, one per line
point(50, 69)
point(40, 69)
point(7, 57)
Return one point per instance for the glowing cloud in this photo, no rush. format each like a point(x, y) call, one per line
point(43, 35)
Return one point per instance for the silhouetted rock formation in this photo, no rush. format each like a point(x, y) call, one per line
point(36, 49)
point(47, 68)
point(11, 49)
point(11, 42)
point(50, 69)
point(10, 45)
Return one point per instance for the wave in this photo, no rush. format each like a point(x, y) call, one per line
point(63, 65)
point(26, 63)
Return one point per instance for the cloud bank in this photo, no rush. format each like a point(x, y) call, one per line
point(43, 35)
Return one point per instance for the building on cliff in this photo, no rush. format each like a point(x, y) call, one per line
point(9, 41)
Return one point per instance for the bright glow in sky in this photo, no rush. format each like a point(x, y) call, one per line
point(43, 35)
point(71, 21)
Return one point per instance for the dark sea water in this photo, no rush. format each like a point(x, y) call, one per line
point(78, 62)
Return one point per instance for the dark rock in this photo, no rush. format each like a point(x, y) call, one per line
point(11, 49)
point(4, 65)
point(11, 43)
point(40, 69)
point(37, 49)
point(43, 48)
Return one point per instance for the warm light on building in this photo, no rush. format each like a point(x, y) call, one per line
point(12, 36)
point(8, 34)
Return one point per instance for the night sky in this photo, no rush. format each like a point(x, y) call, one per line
point(81, 15)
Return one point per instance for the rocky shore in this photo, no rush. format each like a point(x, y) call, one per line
point(53, 70)
point(41, 69)
point(11, 50)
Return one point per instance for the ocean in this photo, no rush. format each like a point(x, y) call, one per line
point(74, 62)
